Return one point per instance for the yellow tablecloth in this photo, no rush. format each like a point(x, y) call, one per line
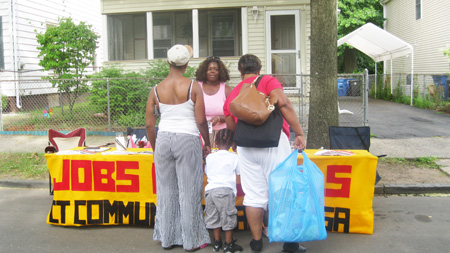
point(98, 189)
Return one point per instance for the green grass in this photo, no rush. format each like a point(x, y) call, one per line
point(421, 162)
point(23, 166)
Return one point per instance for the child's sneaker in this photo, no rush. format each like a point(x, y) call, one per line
point(232, 247)
point(217, 246)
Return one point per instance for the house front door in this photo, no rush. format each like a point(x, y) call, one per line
point(283, 45)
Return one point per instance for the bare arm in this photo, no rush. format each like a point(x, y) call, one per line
point(286, 108)
point(150, 119)
point(200, 117)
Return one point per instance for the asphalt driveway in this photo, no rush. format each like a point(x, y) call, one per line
point(390, 120)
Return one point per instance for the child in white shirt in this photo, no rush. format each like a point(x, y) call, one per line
point(220, 192)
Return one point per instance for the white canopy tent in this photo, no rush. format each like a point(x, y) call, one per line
point(380, 45)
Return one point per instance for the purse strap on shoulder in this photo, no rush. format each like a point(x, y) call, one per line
point(257, 80)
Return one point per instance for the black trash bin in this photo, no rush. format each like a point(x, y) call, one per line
point(354, 88)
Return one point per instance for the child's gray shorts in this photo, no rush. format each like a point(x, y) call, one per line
point(220, 210)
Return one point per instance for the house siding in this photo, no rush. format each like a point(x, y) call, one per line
point(428, 35)
point(132, 6)
point(256, 29)
point(32, 17)
point(21, 23)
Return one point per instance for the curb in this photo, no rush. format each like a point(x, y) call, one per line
point(30, 184)
point(393, 189)
point(381, 189)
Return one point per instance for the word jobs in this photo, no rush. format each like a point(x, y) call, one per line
point(105, 176)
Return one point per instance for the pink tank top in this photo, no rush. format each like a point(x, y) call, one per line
point(214, 105)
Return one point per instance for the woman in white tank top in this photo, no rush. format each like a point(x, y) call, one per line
point(178, 155)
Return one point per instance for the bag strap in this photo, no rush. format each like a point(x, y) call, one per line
point(258, 79)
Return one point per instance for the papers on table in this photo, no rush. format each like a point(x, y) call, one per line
point(328, 152)
point(124, 152)
point(103, 152)
point(95, 149)
point(74, 152)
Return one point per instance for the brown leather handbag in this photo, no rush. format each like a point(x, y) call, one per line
point(252, 106)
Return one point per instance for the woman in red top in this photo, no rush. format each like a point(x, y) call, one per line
point(257, 163)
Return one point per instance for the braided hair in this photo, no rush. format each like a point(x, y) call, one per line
point(224, 137)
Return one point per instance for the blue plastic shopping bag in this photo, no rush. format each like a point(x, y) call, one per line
point(296, 201)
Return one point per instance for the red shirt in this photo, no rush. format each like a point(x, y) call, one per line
point(266, 85)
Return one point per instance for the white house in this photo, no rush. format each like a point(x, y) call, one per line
point(426, 26)
point(138, 31)
point(20, 21)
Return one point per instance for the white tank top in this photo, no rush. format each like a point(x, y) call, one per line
point(179, 118)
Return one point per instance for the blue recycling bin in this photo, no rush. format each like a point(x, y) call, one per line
point(342, 87)
point(440, 81)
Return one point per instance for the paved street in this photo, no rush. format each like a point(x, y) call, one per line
point(402, 224)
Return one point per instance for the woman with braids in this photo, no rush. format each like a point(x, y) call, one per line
point(256, 163)
point(220, 192)
point(212, 75)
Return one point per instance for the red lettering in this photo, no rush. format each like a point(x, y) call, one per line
point(103, 182)
point(121, 175)
point(100, 175)
point(344, 192)
point(64, 185)
point(85, 166)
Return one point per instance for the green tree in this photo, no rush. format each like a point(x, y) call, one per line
point(323, 111)
point(67, 49)
point(354, 14)
point(446, 52)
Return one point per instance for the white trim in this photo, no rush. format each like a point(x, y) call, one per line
point(244, 27)
point(195, 34)
point(269, 51)
point(149, 18)
point(105, 38)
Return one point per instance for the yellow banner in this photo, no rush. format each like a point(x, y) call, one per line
point(101, 189)
point(349, 190)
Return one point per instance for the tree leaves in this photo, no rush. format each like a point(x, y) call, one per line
point(67, 49)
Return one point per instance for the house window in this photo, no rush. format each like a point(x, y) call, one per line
point(2, 56)
point(418, 9)
point(170, 29)
point(127, 37)
point(219, 32)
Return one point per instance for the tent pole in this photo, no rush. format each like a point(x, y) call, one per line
point(376, 72)
point(412, 76)
point(392, 77)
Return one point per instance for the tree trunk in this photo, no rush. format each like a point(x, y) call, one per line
point(323, 110)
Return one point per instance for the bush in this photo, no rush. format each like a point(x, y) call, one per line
point(4, 103)
point(128, 91)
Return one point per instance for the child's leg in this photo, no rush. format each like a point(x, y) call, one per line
point(228, 236)
point(217, 232)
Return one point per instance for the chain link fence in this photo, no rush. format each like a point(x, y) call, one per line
point(352, 100)
point(431, 87)
point(110, 105)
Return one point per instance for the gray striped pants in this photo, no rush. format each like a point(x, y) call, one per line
point(179, 187)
